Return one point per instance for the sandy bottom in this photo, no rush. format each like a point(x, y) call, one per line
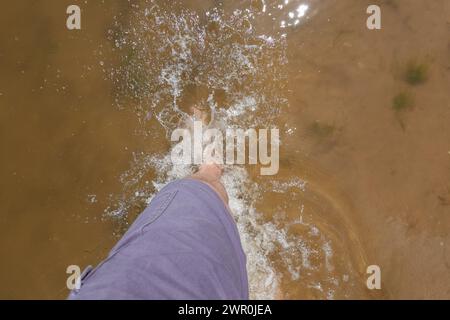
point(364, 119)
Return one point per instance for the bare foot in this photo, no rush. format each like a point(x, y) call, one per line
point(211, 174)
point(199, 114)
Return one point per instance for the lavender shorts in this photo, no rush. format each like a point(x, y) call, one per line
point(185, 245)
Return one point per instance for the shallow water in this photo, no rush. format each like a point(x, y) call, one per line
point(365, 142)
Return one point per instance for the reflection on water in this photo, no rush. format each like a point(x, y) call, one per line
point(364, 168)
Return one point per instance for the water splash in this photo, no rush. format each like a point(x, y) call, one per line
point(239, 76)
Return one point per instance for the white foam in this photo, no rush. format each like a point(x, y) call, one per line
point(250, 86)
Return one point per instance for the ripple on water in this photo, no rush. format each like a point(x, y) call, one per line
point(239, 75)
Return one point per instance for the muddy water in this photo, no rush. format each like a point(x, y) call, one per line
point(365, 157)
